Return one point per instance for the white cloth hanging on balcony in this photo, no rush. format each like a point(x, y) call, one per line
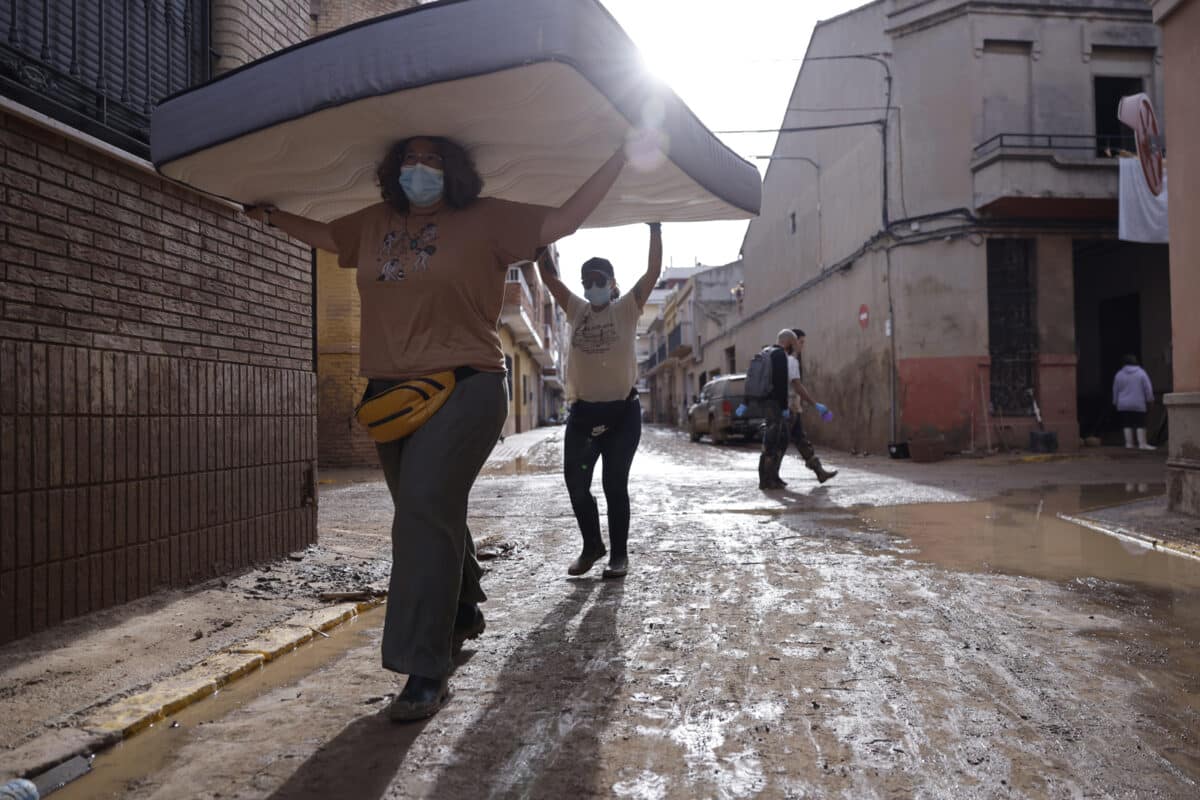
point(1143, 217)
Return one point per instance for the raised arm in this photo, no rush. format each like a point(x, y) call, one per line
point(566, 219)
point(549, 272)
point(312, 233)
point(645, 284)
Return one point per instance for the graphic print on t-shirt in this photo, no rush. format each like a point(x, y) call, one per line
point(594, 336)
point(402, 252)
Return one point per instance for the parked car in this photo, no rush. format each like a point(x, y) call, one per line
point(713, 413)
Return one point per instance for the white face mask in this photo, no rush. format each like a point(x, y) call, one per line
point(599, 295)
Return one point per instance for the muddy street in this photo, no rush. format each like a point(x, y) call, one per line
point(906, 630)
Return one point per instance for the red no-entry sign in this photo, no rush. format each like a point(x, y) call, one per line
point(864, 316)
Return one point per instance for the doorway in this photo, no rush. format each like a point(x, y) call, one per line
point(1122, 307)
point(1120, 331)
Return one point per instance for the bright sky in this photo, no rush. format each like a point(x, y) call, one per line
point(734, 63)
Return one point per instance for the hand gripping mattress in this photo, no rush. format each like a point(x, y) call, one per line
point(540, 91)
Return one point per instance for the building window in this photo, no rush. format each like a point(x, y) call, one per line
point(101, 67)
point(508, 367)
point(1111, 134)
point(1012, 325)
point(730, 360)
point(792, 221)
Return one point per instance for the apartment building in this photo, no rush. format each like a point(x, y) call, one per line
point(697, 311)
point(532, 334)
point(940, 216)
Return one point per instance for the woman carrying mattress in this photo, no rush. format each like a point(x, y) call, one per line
point(605, 417)
point(431, 262)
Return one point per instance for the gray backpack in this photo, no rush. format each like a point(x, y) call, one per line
point(759, 383)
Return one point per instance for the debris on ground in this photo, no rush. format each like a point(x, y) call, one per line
point(365, 594)
point(493, 547)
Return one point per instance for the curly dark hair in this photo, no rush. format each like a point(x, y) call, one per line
point(463, 183)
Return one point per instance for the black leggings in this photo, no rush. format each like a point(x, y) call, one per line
point(611, 430)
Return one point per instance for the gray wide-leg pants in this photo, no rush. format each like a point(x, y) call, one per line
point(430, 475)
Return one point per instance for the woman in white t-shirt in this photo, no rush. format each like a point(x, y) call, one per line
point(605, 417)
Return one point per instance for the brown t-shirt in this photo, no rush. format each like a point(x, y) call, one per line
point(432, 286)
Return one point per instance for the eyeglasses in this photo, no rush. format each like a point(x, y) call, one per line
point(599, 281)
point(428, 159)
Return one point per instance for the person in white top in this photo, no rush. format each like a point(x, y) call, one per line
point(605, 416)
point(797, 396)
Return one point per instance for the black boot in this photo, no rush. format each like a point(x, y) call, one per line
point(590, 555)
point(618, 567)
point(822, 473)
point(421, 698)
point(768, 473)
point(469, 624)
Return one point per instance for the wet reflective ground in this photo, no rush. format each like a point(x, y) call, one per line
point(892, 634)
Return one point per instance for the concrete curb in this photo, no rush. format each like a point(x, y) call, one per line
point(109, 724)
point(1137, 537)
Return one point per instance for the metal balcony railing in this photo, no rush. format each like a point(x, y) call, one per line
point(515, 275)
point(674, 337)
point(101, 65)
point(1077, 145)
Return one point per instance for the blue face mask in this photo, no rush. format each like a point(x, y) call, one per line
point(422, 185)
point(599, 295)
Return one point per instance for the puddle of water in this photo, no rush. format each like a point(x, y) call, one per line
point(1021, 534)
point(118, 769)
point(521, 465)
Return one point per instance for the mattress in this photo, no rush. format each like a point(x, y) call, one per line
point(541, 92)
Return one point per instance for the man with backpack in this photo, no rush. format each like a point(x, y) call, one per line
point(770, 376)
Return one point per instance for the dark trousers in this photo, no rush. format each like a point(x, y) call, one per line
point(775, 445)
point(798, 437)
point(612, 431)
point(429, 475)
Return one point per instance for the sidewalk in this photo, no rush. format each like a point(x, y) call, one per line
point(1149, 521)
point(521, 445)
point(85, 684)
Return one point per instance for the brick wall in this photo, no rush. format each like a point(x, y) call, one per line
point(341, 442)
point(329, 15)
point(157, 414)
point(246, 30)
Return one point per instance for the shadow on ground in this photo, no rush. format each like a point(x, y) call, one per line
point(538, 735)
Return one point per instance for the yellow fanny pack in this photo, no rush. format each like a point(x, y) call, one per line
point(398, 411)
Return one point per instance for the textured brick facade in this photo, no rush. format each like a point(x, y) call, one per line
point(157, 399)
point(246, 30)
point(329, 15)
point(342, 442)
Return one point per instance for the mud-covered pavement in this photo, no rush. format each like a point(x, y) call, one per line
point(819, 642)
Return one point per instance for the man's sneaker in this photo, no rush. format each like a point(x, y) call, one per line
point(469, 625)
point(420, 699)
